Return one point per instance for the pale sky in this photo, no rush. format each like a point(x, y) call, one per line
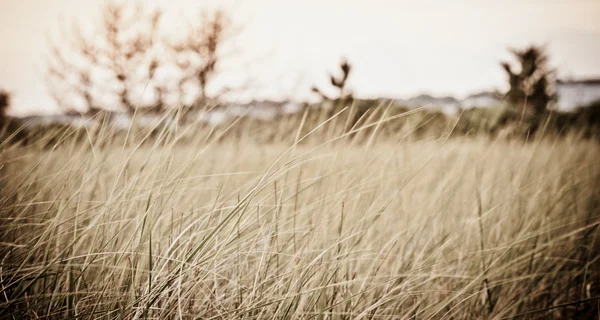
point(398, 48)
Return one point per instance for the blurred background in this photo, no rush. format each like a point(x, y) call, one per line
point(79, 57)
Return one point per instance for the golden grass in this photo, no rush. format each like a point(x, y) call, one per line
point(432, 229)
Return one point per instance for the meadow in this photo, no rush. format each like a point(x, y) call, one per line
point(325, 225)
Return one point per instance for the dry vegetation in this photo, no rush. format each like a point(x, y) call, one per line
point(330, 227)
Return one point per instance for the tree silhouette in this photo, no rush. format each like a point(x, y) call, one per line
point(339, 82)
point(122, 50)
point(199, 54)
point(530, 86)
point(99, 72)
point(4, 102)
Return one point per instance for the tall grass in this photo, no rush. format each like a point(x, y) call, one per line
point(328, 226)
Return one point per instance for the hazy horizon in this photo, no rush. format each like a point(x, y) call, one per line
point(397, 48)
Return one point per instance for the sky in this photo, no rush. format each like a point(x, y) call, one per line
point(397, 48)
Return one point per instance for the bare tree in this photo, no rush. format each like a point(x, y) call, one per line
point(123, 50)
point(69, 78)
point(199, 54)
point(110, 69)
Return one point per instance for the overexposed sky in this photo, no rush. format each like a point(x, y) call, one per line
point(398, 48)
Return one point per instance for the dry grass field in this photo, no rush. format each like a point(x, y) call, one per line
point(458, 228)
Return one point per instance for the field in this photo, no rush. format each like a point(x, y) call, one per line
point(324, 227)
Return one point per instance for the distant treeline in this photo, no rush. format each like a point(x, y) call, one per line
point(355, 120)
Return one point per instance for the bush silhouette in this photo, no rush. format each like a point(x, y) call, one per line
point(530, 85)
